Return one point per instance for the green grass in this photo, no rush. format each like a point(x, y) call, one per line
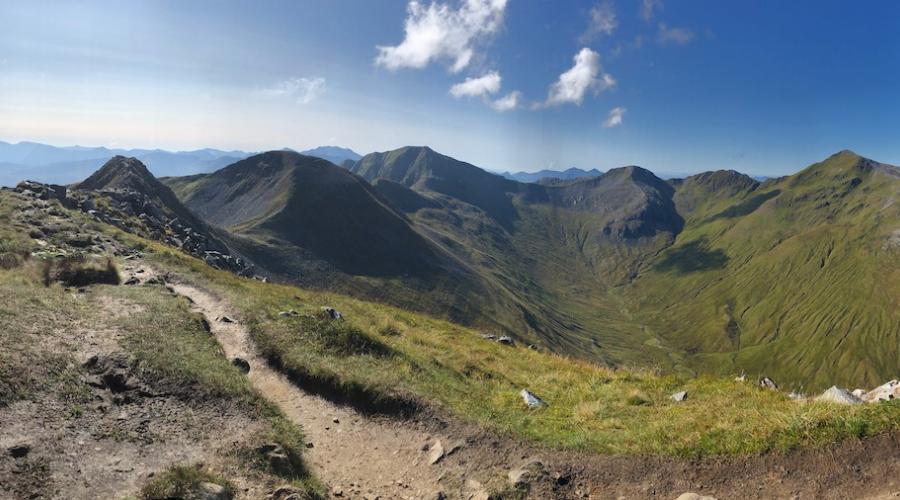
point(590, 408)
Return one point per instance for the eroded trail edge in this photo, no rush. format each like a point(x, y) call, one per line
point(354, 455)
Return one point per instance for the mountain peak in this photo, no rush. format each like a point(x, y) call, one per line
point(121, 172)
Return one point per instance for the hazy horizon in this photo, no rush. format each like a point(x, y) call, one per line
point(760, 88)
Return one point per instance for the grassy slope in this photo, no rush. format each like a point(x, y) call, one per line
point(165, 339)
point(791, 278)
point(385, 352)
point(804, 288)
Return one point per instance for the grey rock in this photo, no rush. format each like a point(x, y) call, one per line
point(436, 453)
point(212, 491)
point(884, 392)
point(330, 313)
point(837, 395)
point(767, 383)
point(506, 340)
point(531, 400)
point(679, 396)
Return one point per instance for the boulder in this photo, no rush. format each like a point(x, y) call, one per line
point(884, 392)
point(767, 383)
point(528, 472)
point(224, 319)
point(531, 400)
point(506, 340)
point(241, 364)
point(132, 281)
point(679, 396)
point(838, 395)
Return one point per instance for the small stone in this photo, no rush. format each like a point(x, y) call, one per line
point(436, 453)
point(505, 340)
point(132, 281)
point(19, 450)
point(241, 364)
point(337, 491)
point(767, 383)
point(336, 420)
point(531, 400)
point(212, 491)
point(694, 496)
point(679, 396)
point(224, 319)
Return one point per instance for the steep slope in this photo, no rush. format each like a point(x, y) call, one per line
point(797, 279)
point(312, 204)
point(793, 277)
point(129, 174)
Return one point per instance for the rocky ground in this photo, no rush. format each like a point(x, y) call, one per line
point(125, 428)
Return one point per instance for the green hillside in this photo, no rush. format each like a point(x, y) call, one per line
point(796, 278)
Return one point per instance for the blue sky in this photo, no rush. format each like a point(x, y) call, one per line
point(764, 86)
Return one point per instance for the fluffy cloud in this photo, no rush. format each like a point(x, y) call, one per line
point(603, 21)
point(648, 7)
point(440, 32)
point(584, 75)
point(477, 87)
point(680, 36)
point(614, 118)
point(508, 102)
point(305, 90)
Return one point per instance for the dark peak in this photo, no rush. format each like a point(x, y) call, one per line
point(120, 172)
point(634, 173)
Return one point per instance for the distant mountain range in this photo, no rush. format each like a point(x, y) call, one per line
point(716, 272)
point(568, 174)
point(69, 164)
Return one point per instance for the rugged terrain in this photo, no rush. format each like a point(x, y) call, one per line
point(127, 389)
point(794, 277)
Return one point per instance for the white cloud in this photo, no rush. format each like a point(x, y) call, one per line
point(680, 36)
point(603, 21)
point(305, 90)
point(582, 76)
point(439, 32)
point(508, 102)
point(648, 7)
point(477, 87)
point(614, 118)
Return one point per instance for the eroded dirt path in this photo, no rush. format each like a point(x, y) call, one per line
point(356, 456)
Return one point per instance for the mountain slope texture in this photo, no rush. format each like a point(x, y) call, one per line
point(795, 278)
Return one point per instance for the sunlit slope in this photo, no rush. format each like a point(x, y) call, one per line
point(799, 280)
